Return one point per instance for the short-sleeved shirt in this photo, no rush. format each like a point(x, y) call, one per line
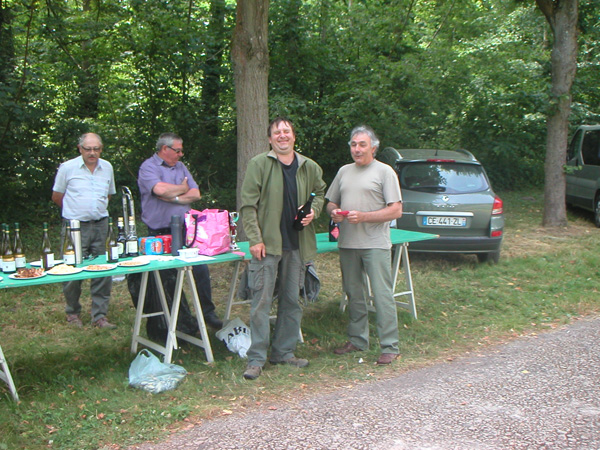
point(85, 192)
point(157, 213)
point(364, 188)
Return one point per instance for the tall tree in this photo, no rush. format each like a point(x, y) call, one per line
point(250, 55)
point(562, 17)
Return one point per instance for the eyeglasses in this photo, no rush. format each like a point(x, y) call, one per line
point(176, 150)
point(91, 149)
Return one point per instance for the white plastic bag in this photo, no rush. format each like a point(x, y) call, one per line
point(148, 373)
point(236, 336)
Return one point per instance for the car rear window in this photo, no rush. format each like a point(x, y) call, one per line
point(452, 178)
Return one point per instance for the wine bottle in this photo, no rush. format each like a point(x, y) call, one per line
point(303, 212)
point(47, 258)
point(334, 231)
point(3, 244)
point(8, 257)
point(18, 249)
point(121, 238)
point(69, 247)
point(112, 250)
point(131, 245)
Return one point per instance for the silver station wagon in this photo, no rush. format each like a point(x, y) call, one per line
point(447, 192)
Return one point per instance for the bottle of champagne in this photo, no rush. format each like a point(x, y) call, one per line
point(131, 247)
point(47, 258)
point(69, 247)
point(8, 257)
point(18, 250)
point(3, 244)
point(303, 212)
point(112, 250)
point(121, 238)
point(334, 231)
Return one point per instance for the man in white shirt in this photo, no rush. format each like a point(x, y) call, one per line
point(82, 189)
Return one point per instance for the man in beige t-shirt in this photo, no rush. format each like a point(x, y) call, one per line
point(363, 198)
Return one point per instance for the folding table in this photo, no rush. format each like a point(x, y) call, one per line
point(400, 264)
point(184, 268)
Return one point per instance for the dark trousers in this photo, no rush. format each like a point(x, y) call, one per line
point(201, 278)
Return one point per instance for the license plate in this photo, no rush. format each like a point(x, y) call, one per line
point(440, 221)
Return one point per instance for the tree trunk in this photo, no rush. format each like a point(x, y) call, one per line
point(250, 55)
point(213, 70)
point(562, 16)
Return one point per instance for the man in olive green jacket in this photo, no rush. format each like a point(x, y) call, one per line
point(276, 184)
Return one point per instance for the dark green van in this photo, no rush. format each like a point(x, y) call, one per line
point(583, 170)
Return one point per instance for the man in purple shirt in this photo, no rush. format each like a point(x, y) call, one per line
point(168, 189)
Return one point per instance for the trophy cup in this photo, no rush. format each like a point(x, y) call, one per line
point(233, 218)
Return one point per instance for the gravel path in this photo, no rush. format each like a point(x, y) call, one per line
point(538, 392)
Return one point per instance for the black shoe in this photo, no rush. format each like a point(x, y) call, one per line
point(213, 321)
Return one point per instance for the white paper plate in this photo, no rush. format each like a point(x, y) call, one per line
point(39, 263)
point(74, 270)
point(104, 268)
point(13, 276)
point(134, 263)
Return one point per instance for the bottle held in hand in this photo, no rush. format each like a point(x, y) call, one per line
point(47, 258)
point(334, 231)
point(303, 212)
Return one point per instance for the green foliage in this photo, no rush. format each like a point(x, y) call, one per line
point(73, 381)
point(472, 74)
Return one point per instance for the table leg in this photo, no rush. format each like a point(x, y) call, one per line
point(6, 376)
point(171, 335)
point(137, 325)
point(401, 258)
point(139, 315)
point(174, 334)
point(232, 289)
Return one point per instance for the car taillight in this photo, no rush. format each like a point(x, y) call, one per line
point(497, 208)
point(496, 233)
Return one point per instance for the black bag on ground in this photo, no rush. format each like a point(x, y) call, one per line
point(156, 326)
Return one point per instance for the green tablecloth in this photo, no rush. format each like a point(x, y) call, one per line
point(323, 246)
point(84, 275)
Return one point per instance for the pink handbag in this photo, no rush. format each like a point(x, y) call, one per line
point(208, 231)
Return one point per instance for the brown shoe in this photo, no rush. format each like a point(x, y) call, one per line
point(386, 358)
point(74, 320)
point(104, 323)
point(293, 361)
point(252, 372)
point(348, 347)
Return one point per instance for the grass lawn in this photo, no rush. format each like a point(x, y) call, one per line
point(73, 382)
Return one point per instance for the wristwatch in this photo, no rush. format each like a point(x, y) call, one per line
point(176, 199)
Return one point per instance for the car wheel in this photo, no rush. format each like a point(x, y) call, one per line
point(597, 211)
point(491, 257)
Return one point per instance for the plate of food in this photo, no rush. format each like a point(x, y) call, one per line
point(134, 262)
point(39, 263)
point(99, 267)
point(64, 269)
point(27, 274)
